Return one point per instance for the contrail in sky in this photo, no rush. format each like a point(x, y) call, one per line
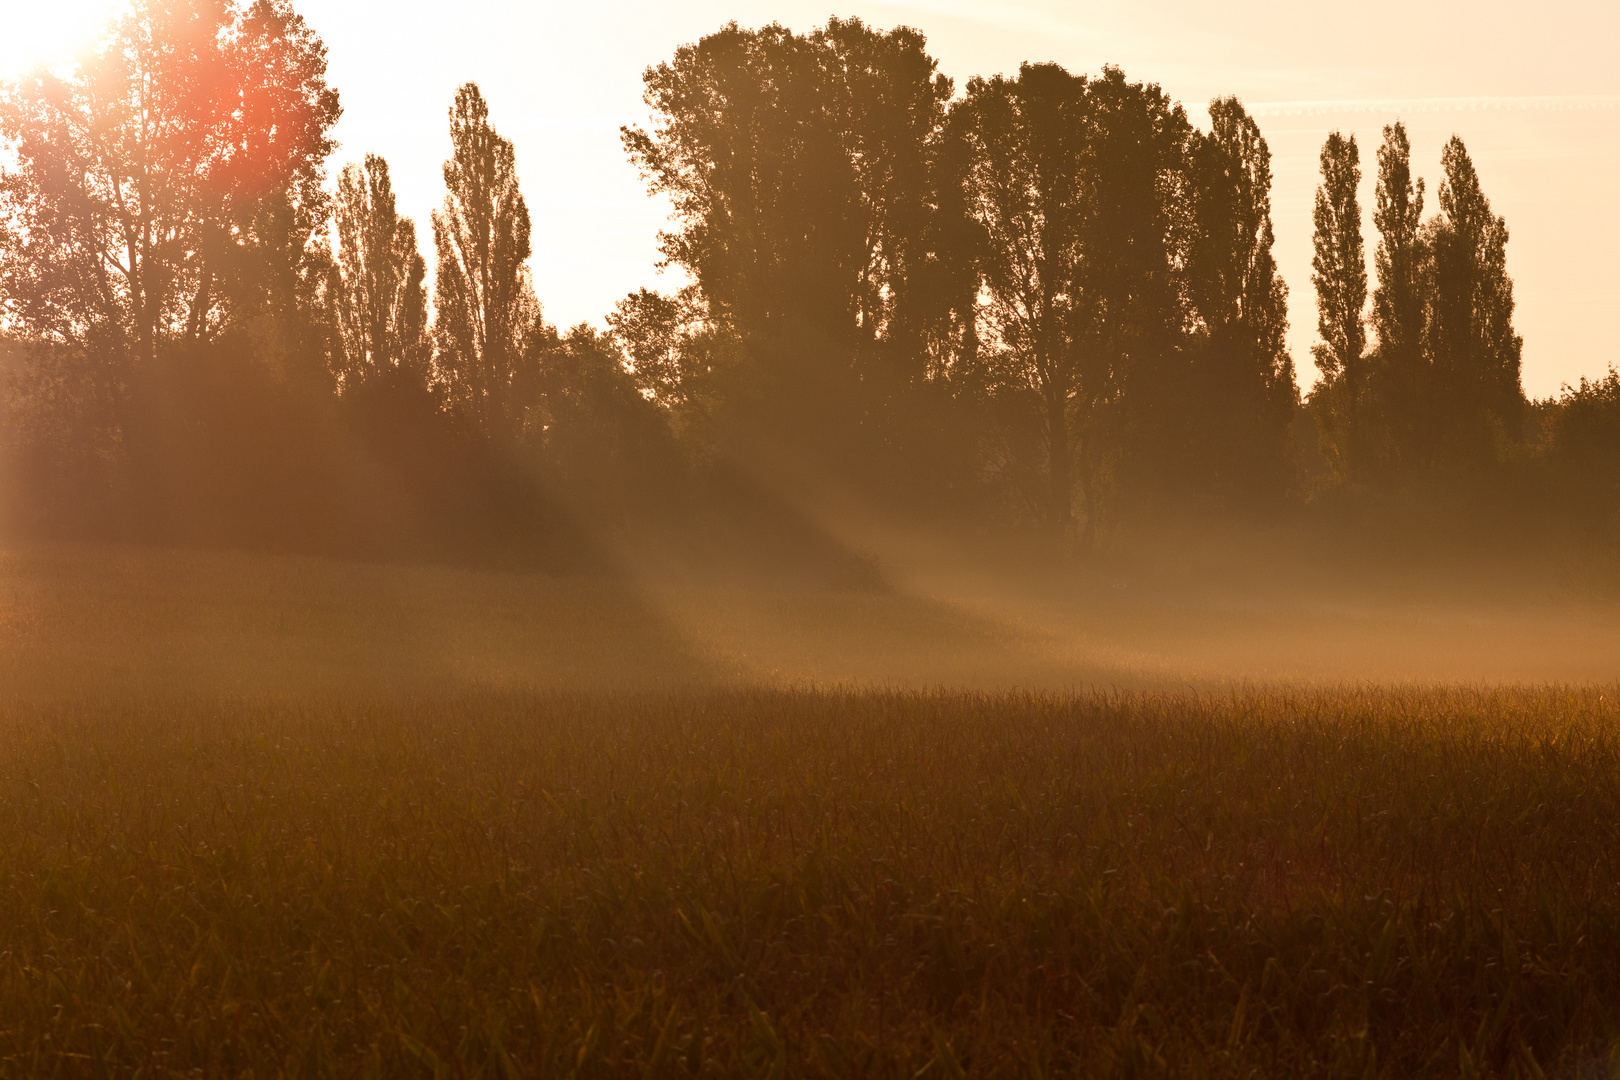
point(1569, 103)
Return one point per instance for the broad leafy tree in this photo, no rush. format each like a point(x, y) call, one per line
point(164, 267)
point(652, 329)
point(160, 184)
point(1073, 183)
point(1130, 318)
point(798, 167)
point(1027, 189)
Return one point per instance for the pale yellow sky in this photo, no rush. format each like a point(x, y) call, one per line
point(1532, 88)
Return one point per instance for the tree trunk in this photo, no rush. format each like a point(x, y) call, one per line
point(1060, 493)
point(1088, 491)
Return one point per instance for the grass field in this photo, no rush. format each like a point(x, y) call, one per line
point(283, 817)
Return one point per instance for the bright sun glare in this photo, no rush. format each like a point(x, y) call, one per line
point(49, 31)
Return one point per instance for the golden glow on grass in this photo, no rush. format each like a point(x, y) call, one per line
point(279, 816)
point(806, 883)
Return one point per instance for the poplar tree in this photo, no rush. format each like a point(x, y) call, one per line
point(1399, 377)
point(486, 315)
point(380, 299)
point(1474, 350)
point(1244, 373)
point(1339, 272)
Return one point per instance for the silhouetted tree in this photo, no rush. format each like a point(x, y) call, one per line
point(1243, 372)
point(945, 287)
point(1339, 272)
point(1129, 318)
point(1474, 351)
point(799, 170)
point(485, 310)
point(1073, 183)
point(604, 440)
point(165, 262)
point(759, 184)
point(1027, 189)
point(1582, 448)
point(653, 330)
point(150, 179)
point(1399, 375)
point(380, 298)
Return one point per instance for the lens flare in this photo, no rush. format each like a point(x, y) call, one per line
point(38, 35)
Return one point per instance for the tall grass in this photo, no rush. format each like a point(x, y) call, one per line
point(813, 883)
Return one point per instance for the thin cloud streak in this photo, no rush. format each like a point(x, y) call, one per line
point(1546, 103)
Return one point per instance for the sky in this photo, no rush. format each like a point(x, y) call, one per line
point(1533, 89)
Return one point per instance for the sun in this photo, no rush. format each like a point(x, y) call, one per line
point(49, 32)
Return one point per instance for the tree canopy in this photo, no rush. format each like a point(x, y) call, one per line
point(1047, 300)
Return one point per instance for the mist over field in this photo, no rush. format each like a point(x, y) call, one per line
point(1241, 610)
point(832, 816)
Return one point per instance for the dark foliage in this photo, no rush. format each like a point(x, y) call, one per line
point(1049, 302)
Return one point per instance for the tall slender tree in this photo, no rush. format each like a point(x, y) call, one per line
point(1474, 349)
point(381, 300)
point(1339, 272)
point(1244, 373)
point(486, 314)
point(1399, 375)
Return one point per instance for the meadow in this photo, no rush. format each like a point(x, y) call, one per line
point(271, 816)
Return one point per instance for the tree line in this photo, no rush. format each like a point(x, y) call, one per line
point(1047, 302)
